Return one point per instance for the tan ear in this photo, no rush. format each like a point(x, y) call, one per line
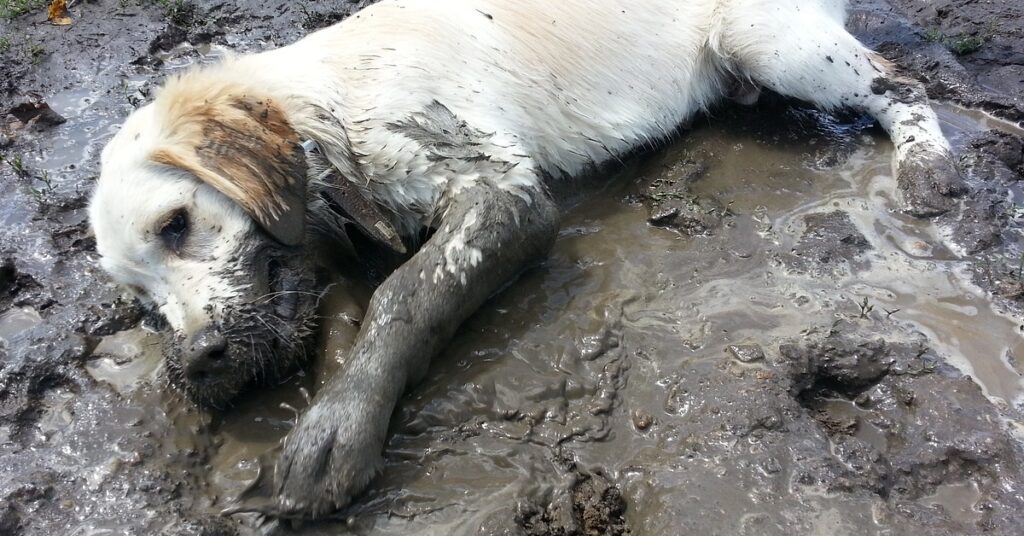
point(245, 148)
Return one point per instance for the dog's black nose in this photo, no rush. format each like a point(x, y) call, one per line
point(205, 355)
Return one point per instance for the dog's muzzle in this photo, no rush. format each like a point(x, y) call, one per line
point(206, 356)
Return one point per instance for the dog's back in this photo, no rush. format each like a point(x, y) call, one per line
point(568, 84)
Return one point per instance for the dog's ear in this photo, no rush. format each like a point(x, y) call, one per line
point(245, 148)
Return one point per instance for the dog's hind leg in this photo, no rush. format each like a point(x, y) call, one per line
point(801, 50)
point(487, 235)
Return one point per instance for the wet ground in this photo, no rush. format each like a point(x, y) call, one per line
point(734, 335)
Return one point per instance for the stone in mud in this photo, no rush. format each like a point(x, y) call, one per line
point(746, 353)
point(642, 420)
point(830, 242)
point(33, 113)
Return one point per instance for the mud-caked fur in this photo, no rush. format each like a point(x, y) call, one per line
point(273, 328)
point(217, 201)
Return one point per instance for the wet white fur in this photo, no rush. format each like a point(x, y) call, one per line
point(561, 85)
point(127, 212)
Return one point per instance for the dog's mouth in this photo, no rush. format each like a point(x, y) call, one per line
point(260, 340)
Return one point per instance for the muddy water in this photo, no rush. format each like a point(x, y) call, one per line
point(607, 363)
point(594, 348)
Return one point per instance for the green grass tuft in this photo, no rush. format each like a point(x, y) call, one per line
point(14, 8)
point(961, 44)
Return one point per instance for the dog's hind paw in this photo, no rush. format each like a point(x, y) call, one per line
point(324, 463)
point(928, 183)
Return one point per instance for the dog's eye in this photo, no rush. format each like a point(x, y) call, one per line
point(174, 231)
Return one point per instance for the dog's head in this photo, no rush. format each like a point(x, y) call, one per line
point(200, 210)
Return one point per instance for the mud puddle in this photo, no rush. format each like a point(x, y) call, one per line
point(599, 352)
point(777, 361)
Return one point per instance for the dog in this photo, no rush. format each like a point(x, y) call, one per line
point(219, 201)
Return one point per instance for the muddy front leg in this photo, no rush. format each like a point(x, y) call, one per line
point(486, 237)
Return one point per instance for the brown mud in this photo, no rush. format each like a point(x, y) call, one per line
point(737, 334)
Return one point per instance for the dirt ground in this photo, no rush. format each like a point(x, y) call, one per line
point(736, 334)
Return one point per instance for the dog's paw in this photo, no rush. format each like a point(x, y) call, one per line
point(327, 459)
point(929, 183)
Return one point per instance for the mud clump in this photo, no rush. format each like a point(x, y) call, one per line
point(994, 162)
point(13, 282)
point(10, 520)
point(26, 380)
point(593, 506)
point(837, 364)
point(904, 425)
point(185, 22)
point(996, 146)
point(671, 204)
point(830, 242)
point(988, 223)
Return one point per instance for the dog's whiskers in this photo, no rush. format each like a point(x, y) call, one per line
point(274, 331)
point(271, 295)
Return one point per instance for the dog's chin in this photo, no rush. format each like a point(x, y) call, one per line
point(216, 394)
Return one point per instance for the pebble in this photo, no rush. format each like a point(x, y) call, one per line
point(747, 353)
point(642, 420)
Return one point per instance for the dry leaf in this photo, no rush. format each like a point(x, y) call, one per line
point(58, 14)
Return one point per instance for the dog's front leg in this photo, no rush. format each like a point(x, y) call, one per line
point(486, 237)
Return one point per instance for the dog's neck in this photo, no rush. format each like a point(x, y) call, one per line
point(341, 213)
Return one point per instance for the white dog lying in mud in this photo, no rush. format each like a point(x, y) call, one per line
point(218, 200)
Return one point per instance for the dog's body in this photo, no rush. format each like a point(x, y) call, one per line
point(446, 115)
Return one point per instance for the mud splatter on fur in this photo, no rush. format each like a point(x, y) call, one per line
point(447, 137)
